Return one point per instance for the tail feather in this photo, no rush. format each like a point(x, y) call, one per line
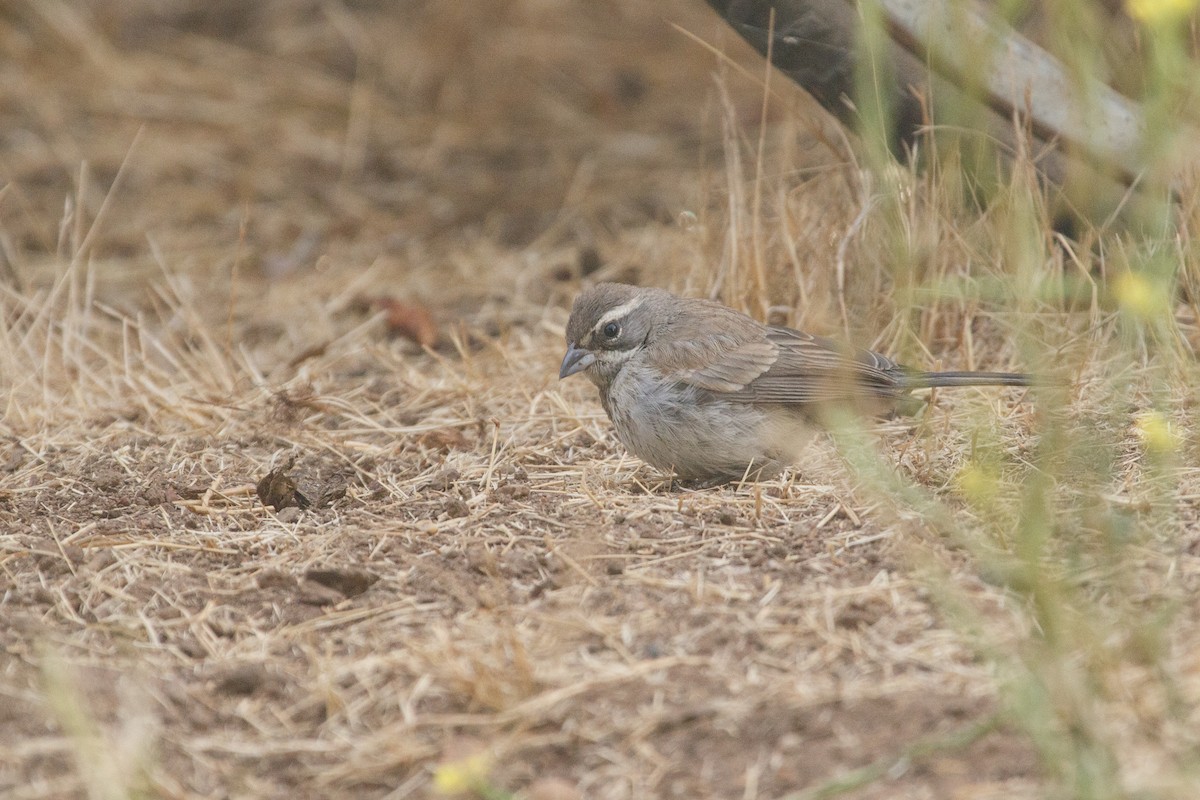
point(929, 380)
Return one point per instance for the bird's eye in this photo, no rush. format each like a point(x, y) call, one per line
point(612, 330)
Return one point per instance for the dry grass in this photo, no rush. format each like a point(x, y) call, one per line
point(996, 599)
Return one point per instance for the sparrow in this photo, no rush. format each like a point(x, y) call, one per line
point(710, 395)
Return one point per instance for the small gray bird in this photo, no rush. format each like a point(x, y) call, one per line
point(705, 392)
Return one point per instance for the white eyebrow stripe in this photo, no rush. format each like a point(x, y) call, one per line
point(617, 313)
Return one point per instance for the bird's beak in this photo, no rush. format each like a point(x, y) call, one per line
point(576, 360)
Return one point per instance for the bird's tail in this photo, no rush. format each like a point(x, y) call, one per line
point(928, 380)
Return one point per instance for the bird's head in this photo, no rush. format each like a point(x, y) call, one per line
point(609, 323)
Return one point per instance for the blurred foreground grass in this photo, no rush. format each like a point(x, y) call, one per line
point(1090, 523)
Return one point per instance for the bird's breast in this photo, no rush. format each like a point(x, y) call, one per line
point(691, 431)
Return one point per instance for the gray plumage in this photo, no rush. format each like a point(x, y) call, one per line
point(702, 390)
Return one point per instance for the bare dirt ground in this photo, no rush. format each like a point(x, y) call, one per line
point(208, 216)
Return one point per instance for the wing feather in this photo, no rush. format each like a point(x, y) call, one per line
point(813, 369)
point(750, 362)
point(713, 347)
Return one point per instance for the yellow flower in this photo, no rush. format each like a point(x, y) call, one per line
point(1155, 432)
point(979, 484)
point(1160, 11)
point(1140, 296)
point(463, 775)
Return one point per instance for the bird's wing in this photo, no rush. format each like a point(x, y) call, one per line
point(753, 363)
point(813, 369)
point(716, 349)
point(712, 347)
